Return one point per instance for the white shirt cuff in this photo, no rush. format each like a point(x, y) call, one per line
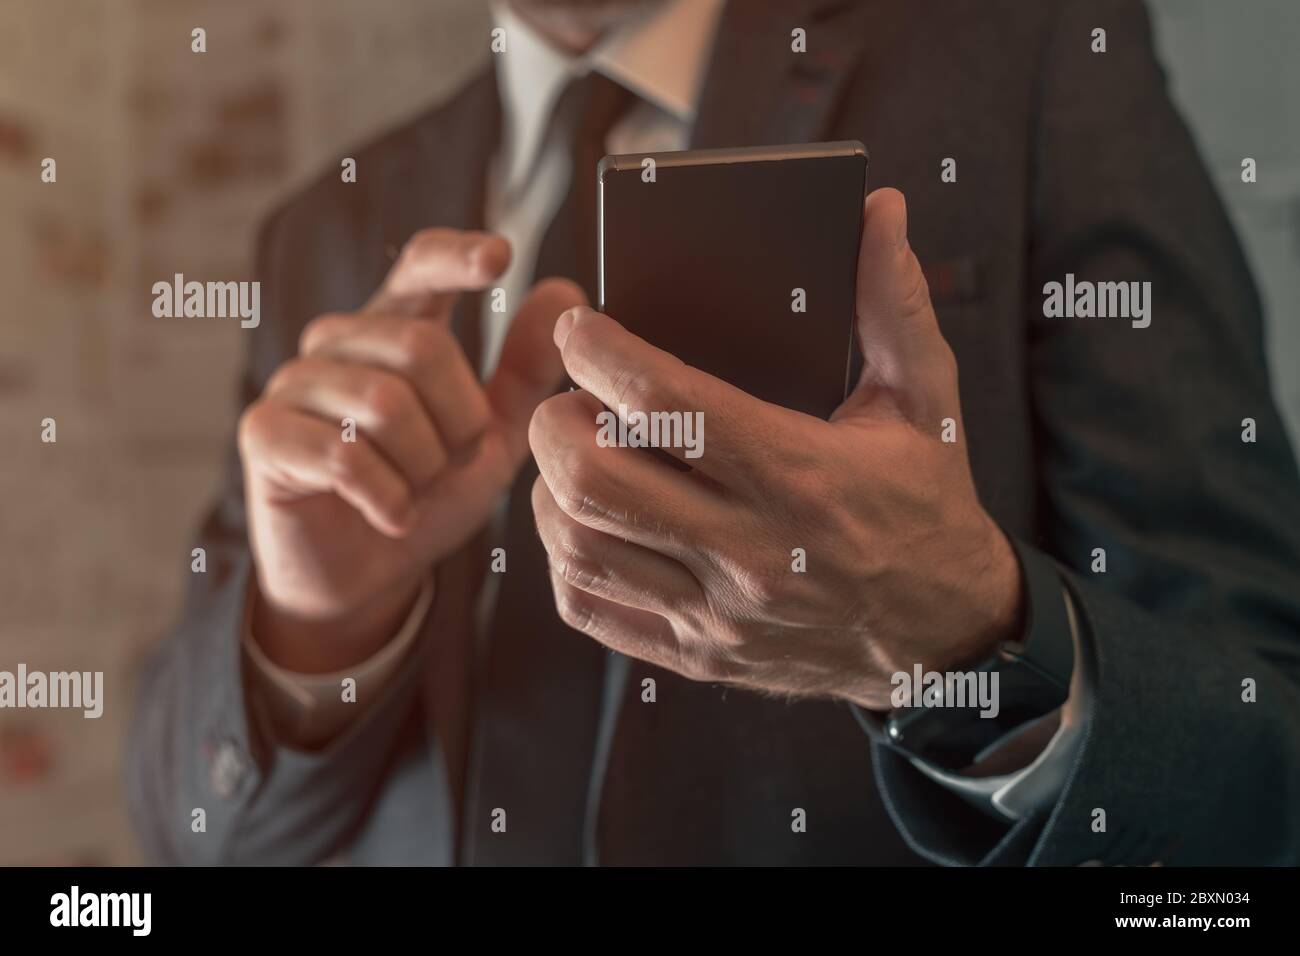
point(305, 711)
point(1038, 784)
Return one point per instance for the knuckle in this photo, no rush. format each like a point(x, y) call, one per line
point(547, 419)
point(582, 336)
point(573, 608)
point(343, 462)
point(283, 375)
point(763, 589)
point(318, 330)
point(582, 491)
point(574, 558)
point(425, 345)
point(475, 417)
point(251, 425)
point(543, 419)
point(388, 398)
point(633, 388)
point(538, 426)
point(576, 505)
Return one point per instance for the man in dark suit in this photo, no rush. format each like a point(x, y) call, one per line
point(374, 667)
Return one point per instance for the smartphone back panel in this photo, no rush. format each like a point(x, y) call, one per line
point(740, 262)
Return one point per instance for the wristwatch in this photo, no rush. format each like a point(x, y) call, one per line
point(1030, 677)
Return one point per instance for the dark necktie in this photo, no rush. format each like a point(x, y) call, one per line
point(538, 705)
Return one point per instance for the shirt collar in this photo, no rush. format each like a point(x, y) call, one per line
point(661, 54)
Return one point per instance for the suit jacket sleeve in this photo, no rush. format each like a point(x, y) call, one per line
point(196, 741)
point(1191, 754)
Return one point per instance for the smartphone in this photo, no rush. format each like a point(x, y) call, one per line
point(740, 262)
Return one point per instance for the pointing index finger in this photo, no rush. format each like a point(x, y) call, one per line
point(435, 266)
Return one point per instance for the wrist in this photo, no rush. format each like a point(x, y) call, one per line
point(309, 644)
point(1006, 588)
point(999, 608)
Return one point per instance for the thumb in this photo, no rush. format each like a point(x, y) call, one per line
point(528, 372)
point(906, 360)
point(530, 367)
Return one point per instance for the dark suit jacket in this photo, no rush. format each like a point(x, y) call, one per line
point(1083, 433)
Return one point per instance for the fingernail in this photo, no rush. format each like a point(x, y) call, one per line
point(563, 326)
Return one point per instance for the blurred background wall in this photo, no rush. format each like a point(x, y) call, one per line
point(166, 161)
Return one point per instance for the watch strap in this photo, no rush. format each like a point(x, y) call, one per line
point(1034, 672)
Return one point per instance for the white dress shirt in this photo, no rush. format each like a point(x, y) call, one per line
point(660, 55)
